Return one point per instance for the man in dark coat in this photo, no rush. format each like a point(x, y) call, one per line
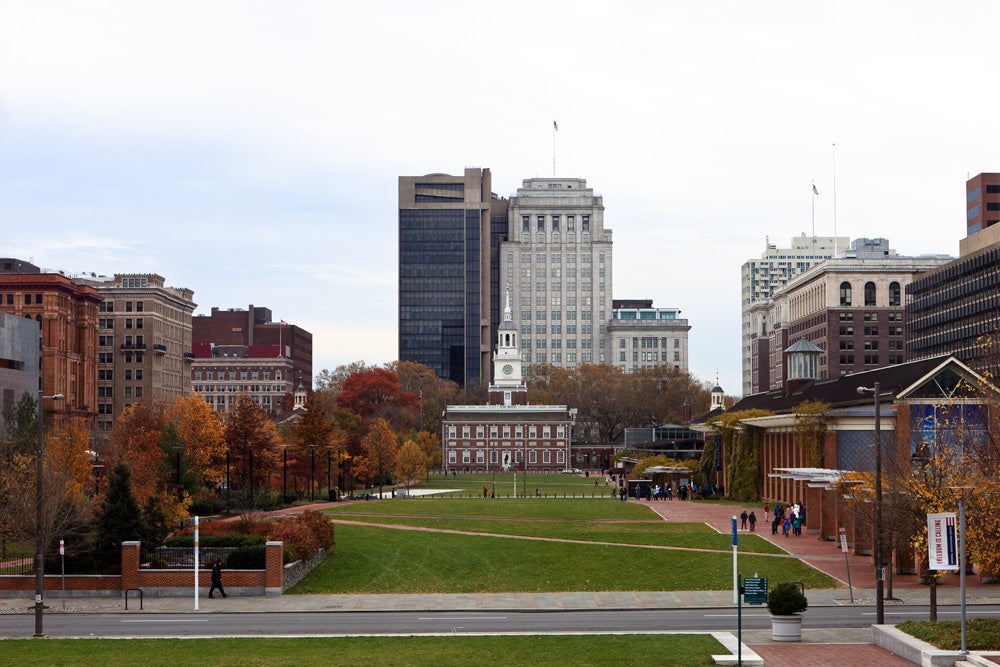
point(216, 579)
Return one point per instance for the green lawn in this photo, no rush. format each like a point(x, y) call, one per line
point(981, 634)
point(460, 651)
point(381, 560)
point(626, 523)
point(547, 484)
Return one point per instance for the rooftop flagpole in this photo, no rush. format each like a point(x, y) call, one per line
point(834, 199)
point(555, 128)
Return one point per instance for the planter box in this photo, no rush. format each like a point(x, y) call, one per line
point(786, 628)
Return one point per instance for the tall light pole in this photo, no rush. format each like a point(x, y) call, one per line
point(39, 511)
point(879, 582)
point(312, 472)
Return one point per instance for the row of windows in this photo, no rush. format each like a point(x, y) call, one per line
point(243, 374)
point(895, 294)
point(109, 306)
point(571, 329)
point(504, 458)
point(541, 344)
point(648, 356)
point(554, 258)
point(555, 221)
point(495, 430)
point(27, 299)
point(557, 357)
point(236, 388)
point(558, 315)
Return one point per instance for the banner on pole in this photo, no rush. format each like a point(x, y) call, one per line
point(942, 550)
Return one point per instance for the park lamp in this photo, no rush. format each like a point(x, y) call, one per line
point(39, 521)
point(879, 579)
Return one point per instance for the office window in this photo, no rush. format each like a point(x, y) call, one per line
point(894, 294)
point(845, 294)
point(870, 294)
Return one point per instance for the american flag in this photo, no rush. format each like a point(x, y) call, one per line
point(815, 191)
point(555, 126)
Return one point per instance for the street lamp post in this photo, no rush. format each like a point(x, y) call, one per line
point(312, 472)
point(39, 511)
point(879, 582)
point(284, 474)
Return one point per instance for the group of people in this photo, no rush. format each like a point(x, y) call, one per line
point(750, 519)
point(789, 518)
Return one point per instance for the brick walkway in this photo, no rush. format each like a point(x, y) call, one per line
point(825, 556)
point(828, 655)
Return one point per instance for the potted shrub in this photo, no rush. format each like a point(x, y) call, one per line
point(785, 602)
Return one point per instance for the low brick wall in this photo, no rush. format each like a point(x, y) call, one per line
point(269, 581)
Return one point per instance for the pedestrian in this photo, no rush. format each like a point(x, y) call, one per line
point(753, 520)
point(774, 525)
point(786, 526)
point(796, 526)
point(743, 520)
point(766, 507)
point(485, 492)
point(216, 579)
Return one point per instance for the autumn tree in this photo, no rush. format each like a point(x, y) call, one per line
point(333, 381)
point(316, 429)
point(135, 442)
point(433, 393)
point(253, 441)
point(376, 393)
point(380, 450)
point(411, 462)
point(203, 437)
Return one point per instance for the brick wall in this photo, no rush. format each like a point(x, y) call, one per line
point(269, 581)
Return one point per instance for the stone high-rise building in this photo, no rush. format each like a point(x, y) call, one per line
point(557, 260)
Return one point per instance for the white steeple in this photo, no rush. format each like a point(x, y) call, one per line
point(507, 358)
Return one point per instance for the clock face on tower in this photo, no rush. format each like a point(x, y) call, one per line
point(508, 369)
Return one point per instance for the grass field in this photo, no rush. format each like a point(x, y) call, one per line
point(374, 559)
point(460, 651)
point(503, 485)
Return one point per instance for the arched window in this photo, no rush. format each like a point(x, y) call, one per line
point(895, 295)
point(870, 294)
point(845, 293)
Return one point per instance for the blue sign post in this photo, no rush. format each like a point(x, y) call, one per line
point(736, 583)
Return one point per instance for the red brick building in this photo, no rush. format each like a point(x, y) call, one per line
point(67, 315)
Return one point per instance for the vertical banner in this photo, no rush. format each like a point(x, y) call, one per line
point(942, 552)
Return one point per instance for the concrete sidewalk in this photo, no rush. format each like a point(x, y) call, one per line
point(602, 600)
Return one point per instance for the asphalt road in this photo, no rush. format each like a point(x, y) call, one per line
point(314, 624)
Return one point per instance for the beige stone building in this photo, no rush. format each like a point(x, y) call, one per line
point(557, 260)
point(143, 342)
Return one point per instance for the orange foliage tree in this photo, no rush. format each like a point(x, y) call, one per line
point(203, 436)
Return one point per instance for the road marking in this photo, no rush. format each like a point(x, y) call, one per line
point(168, 620)
point(461, 618)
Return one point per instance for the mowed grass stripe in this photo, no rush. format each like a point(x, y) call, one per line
point(368, 559)
point(457, 651)
point(653, 533)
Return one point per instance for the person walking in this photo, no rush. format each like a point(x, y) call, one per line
point(217, 579)
point(485, 492)
point(753, 520)
point(743, 520)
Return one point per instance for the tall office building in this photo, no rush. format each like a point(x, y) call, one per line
point(762, 277)
point(557, 260)
point(143, 342)
point(955, 309)
point(449, 228)
point(982, 202)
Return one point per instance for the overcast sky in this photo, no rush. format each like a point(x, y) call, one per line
point(250, 150)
